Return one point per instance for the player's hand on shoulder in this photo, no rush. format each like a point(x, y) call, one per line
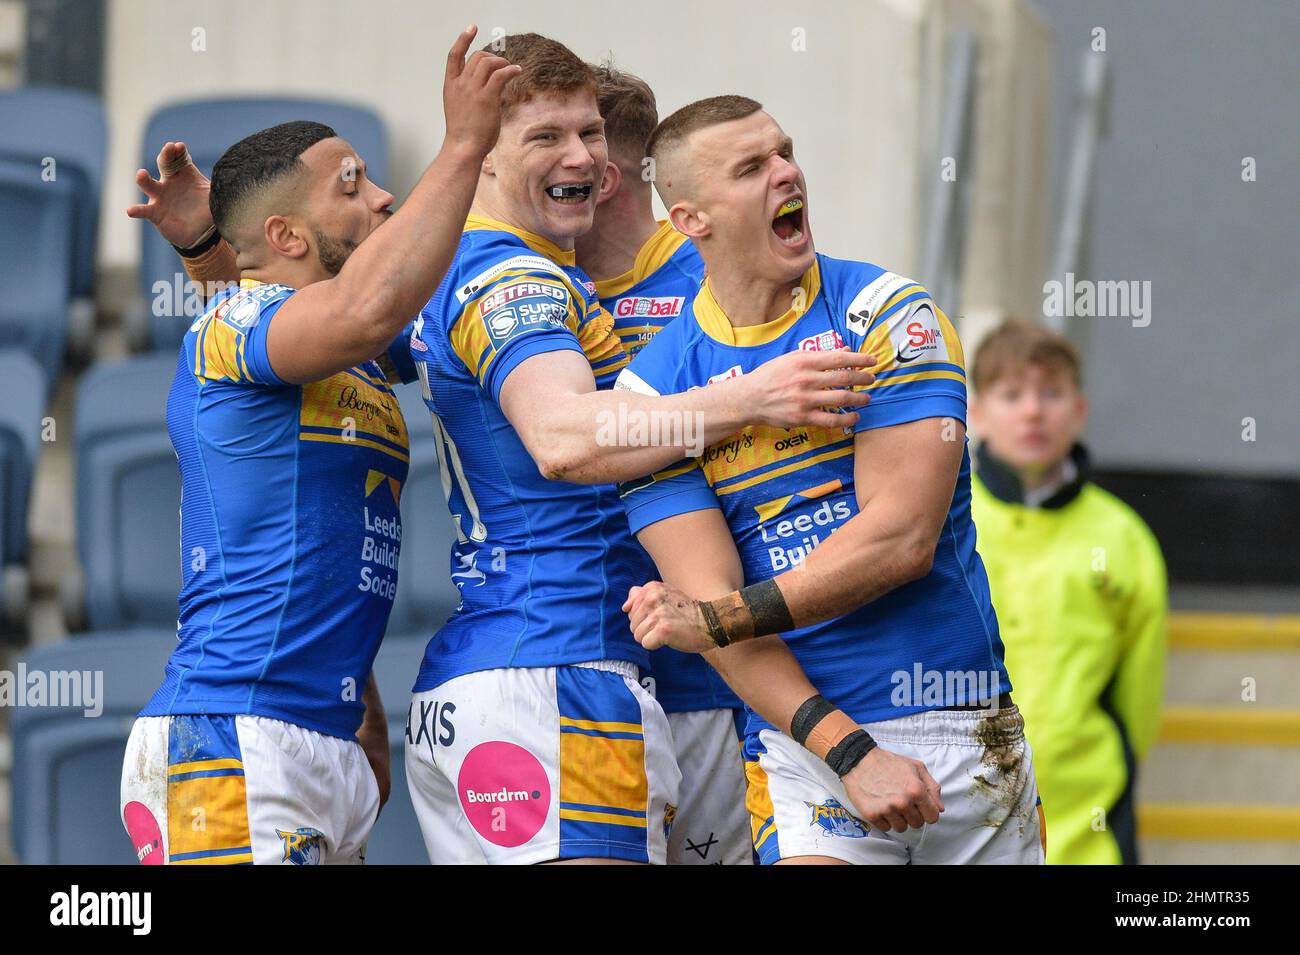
point(471, 95)
point(809, 388)
point(891, 791)
point(661, 616)
point(178, 198)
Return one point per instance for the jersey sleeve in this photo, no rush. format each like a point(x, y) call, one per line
point(230, 341)
point(920, 367)
point(678, 489)
point(602, 346)
point(522, 313)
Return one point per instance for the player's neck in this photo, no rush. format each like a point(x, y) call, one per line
point(610, 249)
point(747, 300)
point(486, 206)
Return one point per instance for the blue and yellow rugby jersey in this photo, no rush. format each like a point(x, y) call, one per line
point(784, 491)
point(660, 286)
point(290, 527)
point(543, 566)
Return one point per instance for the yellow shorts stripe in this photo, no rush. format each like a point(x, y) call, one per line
point(583, 815)
point(602, 727)
point(180, 769)
point(599, 771)
point(206, 814)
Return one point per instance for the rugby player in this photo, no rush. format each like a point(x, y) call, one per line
point(854, 543)
point(531, 739)
point(266, 742)
point(646, 274)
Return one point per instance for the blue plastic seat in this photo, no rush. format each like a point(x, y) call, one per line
point(426, 595)
point(67, 766)
point(20, 439)
point(35, 262)
point(68, 126)
point(128, 494)
point(210, 127)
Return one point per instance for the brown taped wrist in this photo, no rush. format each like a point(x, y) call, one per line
point(213, 267)
point(828, 733)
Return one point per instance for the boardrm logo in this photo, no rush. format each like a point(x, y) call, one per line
point(103, 908)
point(501, 795)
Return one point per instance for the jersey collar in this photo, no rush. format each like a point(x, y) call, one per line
point(713, 320)
point(1004, 484)
point(658, 249)
point(535, 242)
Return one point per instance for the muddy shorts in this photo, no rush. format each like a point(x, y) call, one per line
point(982, 763)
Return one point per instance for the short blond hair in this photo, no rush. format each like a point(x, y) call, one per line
point(1016, 345)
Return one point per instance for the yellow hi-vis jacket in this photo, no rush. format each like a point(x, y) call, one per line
point(1079, 589)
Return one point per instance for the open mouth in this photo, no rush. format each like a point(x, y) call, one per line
point(570, 193)
point(788, 224)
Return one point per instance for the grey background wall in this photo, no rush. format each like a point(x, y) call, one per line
point(1197, 86)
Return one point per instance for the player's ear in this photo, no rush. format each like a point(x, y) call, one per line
point(283, 238)
point(489, 167)
point(688, 220)
point(610, 184)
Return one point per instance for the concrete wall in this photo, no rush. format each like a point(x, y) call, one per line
point(855, 83)
point(1197, 86)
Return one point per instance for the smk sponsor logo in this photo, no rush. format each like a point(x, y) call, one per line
point(916, 336)
point(74, 907)
point(301, 846)
point(834, 820)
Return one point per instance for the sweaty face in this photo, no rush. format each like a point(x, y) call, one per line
point(548, 163)
point(745, 180)
point(1030, 418)
point(343, 205)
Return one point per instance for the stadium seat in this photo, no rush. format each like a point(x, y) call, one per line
point(68, 125)
point(20, 428)
point(208, 128)
point(425, 592)
point(128, 494)
point(35, 262)
point(396, 839)
point(67, 767)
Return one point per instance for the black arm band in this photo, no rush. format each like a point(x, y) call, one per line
point(810, 713)
point(209, 241)
point(716, 633)
point(767, 605)
point(849, 752)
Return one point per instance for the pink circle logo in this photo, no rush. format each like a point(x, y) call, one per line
point(144, 832)
point(504, 793)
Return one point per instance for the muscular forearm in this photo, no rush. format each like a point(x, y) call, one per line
point(766, 675)
point(602, 437)
point(865, 559)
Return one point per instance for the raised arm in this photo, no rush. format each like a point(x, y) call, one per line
point(576, 433)
point(332, 325)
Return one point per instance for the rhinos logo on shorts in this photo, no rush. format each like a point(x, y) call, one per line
point(301, 846)
point(835, 820)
